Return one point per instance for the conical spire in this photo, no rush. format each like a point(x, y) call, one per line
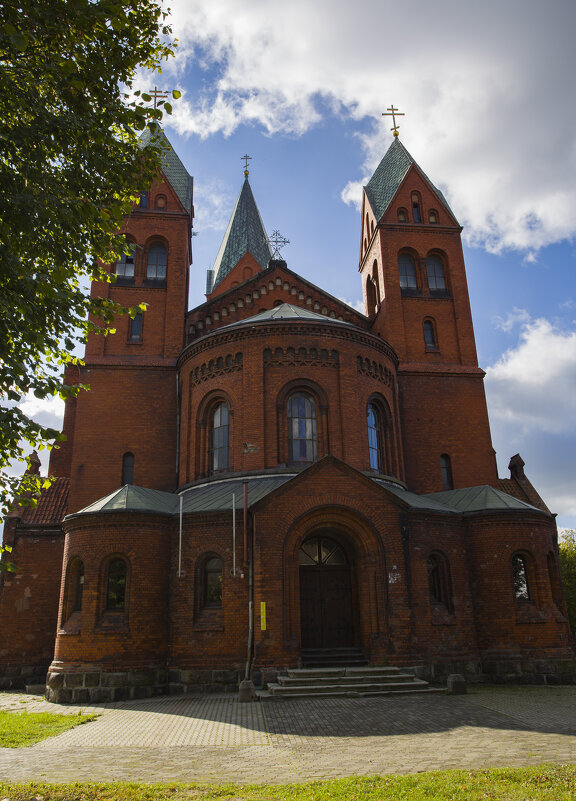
point(388, 176)
point(245, 234)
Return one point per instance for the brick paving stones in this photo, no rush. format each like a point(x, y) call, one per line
point(217, 739)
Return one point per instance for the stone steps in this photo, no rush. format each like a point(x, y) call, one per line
point(345, 682)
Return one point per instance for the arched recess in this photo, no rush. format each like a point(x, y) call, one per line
point(73, 592)
point(204, 430)
point(382, 448)
point(315, 391)
point(368, 572)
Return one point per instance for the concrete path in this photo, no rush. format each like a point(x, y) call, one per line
point(217, 739)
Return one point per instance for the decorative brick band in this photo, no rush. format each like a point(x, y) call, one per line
point(216, 367)
point(281, 357)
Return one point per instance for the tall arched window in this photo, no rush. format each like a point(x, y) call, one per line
point(435, 270)
point(554, 578)
point(219, 454)
point(302, 428)
point(127, 469)
point(125, 267)
point(416, 214)
point(208, 590)
point(135, 332)
point(407, 272)
point(439, 581)
point(116, 576)
point(156, 269)
point(429, 335)
point(446, 471)
point(520, 578)
point(375, 437)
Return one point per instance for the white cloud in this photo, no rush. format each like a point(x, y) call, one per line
point(533, 385)
point(484, 88)
point(512, 319)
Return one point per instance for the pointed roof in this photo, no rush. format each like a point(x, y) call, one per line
point(388, 176)
point(176, 173)
point(287, 311)
point(245, 234)
point(130, 498)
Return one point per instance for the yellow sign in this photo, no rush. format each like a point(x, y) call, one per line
point(263, 616)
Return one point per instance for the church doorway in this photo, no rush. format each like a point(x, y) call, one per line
point(326, 606)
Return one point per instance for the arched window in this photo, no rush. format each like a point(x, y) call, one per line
point(302, 428)
point(407, 273)
point(402, 215)
point(156, 269)
point(125, 267)
point(430, 335)
point(439, 581)
point(116, 576)
point(522, 590)
point(135, 332)
point(375, 437)
point(209, 570)
point(433, 217)
point(219, 450)
point(144, 200)
point(416, 215)
point(446, 471)
point(74, 588)
point(160, 202)
point(435, 269)
point(127, 469)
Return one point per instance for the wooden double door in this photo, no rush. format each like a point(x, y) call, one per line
point(326, 597)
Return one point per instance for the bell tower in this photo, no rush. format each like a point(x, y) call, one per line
point(416, 295)
point(124, 430)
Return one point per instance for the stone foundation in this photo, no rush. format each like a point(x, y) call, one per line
point(17, 677)
point(92, 687)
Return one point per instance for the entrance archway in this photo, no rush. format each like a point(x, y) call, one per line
point(326, 604)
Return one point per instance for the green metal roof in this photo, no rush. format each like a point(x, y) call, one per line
point(287, 311)
point(388, 176)
point(245, 234)
point(481, 499)
point(217, 496)
point(133, 499)
point(176, 173)
point(415, 501)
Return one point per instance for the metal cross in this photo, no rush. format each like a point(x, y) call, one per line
point(157, 94)
point(277, 241)
point(246, 159)
point(393, 112)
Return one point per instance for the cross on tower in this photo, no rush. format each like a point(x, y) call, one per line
point(277, 241)
point(246, 159)
point(393, 112)
point(157, 94)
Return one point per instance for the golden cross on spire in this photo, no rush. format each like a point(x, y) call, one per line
point(158, 94)
point(246, 159)
point(393, 112)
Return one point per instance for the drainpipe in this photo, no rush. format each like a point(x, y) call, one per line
point(246, 691)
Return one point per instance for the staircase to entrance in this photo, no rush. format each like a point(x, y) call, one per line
point(346, 681)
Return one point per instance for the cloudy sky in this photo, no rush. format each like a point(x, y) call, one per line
point(487, 92)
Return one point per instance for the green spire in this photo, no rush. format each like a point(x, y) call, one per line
point(388, 176)
point(245, 233)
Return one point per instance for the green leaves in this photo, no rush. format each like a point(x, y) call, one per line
point(71, 165)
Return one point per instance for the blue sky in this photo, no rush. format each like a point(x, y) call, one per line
point(487, 90)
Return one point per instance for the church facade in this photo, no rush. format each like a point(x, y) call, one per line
point(273, 479)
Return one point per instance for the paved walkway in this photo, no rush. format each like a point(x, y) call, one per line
point(217, 739)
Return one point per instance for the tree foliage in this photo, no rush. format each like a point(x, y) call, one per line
point(70, 167)
point(567, 553)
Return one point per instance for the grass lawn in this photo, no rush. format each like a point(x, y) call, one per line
point(26, 728)
point(543, 783)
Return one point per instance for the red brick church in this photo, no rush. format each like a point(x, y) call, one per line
point(273, 479)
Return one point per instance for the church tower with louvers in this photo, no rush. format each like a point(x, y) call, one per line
point(273, 479)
